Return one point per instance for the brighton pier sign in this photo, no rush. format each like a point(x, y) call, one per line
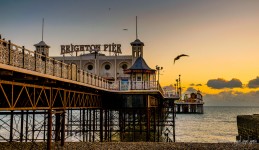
point(115, 48)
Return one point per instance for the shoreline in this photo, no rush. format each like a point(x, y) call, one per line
point(127, 145)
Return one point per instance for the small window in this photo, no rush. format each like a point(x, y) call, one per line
point(90, 67)
point(107, 67)
point(138, 78)
point(133, 77)
point(124, 66)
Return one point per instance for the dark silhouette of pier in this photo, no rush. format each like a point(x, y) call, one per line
point(45, 100)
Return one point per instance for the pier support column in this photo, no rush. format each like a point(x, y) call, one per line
point(63, 128)
point(57, 128)
point(49, 129)
point(26, 125)
point(101, 125)
point(174, 115)
point(21, 132)
point(33, 124)
point(106, 125)
point(121, 124)
point(148, 125)
point(11, 127)
point(84, 125)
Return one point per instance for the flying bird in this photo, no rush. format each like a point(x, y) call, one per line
point(179, 56)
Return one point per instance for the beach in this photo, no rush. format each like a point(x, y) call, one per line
point(129, 145)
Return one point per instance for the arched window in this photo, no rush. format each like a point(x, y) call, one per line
point(124, 66)
point(90, 67)
point(107, 67)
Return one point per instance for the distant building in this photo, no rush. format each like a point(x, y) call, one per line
point(192, 104)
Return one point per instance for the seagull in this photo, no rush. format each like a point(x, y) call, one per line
point(179, 56)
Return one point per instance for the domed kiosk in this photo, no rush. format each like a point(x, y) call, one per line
point(142, 77)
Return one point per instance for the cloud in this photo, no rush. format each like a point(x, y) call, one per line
point(254, 83)
point(221, 83)
point(192, 84)
point(232, 98)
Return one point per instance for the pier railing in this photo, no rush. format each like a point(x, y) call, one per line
point(18, 56)
point(134, 85)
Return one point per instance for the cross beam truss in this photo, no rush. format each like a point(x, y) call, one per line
point(31, 113)
point(21, 96)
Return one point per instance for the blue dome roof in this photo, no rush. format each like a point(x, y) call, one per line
point(140, 66)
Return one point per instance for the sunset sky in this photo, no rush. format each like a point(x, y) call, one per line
point(221, 38)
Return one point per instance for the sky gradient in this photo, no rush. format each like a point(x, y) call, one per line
point(221, 37)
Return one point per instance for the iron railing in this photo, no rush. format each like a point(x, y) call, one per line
point(18, 56)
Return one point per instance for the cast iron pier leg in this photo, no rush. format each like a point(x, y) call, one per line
point(63, 128)
point(49, 129)
point(11, 127)
point(101, 125)
point(21, 133)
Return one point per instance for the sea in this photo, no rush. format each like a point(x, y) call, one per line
point(218, 124)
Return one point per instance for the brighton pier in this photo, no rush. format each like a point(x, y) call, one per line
point(115, 48)
point(46, 100)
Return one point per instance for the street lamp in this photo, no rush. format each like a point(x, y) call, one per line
point(158, 71)
point(180, 87)
point(175, 89)
point(177, 92)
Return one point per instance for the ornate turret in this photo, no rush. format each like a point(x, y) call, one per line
point(137, 49)
point(42, 48)
point(137, 46)
point(141, 75)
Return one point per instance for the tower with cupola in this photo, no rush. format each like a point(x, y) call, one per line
point(137, 49)
point(137, 46)
point(42, 47)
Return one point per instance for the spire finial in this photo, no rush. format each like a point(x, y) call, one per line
point(42, 28)
point(136, 27)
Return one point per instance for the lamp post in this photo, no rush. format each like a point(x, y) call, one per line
point(177, 92)
point(175, 88)
point(158, 72)
point(180, 87)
